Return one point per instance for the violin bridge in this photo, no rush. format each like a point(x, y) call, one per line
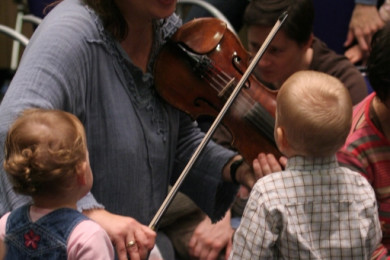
point(226, 88)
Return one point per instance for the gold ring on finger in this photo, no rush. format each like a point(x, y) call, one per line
point(130, 244)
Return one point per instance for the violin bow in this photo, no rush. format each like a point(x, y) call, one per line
point(164, 206)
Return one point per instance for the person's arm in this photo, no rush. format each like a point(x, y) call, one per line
point(89, 241)
point(209, 240)
point(365, 21)
point(216, 197)
point(3, 222)
point(355, 54)
point(122, 230)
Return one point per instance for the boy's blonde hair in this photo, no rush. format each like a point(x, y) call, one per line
point(42, 149)
point(315, 109)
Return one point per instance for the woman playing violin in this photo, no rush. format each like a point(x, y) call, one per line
point(94, 59)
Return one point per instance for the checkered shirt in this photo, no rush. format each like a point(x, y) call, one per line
point(315, 209)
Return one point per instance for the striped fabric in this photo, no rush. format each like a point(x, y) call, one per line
point(368, 151)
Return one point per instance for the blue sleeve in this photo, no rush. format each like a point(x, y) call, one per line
point(204, 183)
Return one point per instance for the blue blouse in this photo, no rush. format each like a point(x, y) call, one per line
point(138, 144)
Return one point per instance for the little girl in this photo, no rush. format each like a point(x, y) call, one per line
point(46, 157)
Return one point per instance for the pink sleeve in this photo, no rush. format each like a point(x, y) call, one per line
point(89, 241)
point(3, 222)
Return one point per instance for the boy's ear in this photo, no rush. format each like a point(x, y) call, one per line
point(81, 170)
point(281, 139)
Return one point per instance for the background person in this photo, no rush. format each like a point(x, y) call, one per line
point(367, 148)
point(295, 47)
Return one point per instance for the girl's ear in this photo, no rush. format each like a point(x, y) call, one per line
point(81, 171)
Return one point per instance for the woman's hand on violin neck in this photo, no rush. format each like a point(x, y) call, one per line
point(131, 239)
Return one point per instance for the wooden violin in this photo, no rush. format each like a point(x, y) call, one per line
point(196, 72)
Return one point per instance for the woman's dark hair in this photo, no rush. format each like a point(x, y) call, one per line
point(112, 18)
point(298, 25)
point(108, 11)
point(378, 64)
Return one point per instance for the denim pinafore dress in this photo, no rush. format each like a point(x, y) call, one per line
point(44, 239)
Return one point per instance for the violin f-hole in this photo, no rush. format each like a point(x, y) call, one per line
point(199, 101)
point(236, 61)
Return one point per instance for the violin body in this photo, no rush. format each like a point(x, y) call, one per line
point(197, 70)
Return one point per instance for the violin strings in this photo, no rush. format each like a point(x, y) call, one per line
point(217, 72)
point(211, 79)
point(244, 101)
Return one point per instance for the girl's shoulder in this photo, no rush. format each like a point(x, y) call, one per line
point(89, 240)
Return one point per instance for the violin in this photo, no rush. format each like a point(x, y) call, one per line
point(197, 70)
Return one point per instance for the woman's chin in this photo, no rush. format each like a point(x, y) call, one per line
point(165, 8)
